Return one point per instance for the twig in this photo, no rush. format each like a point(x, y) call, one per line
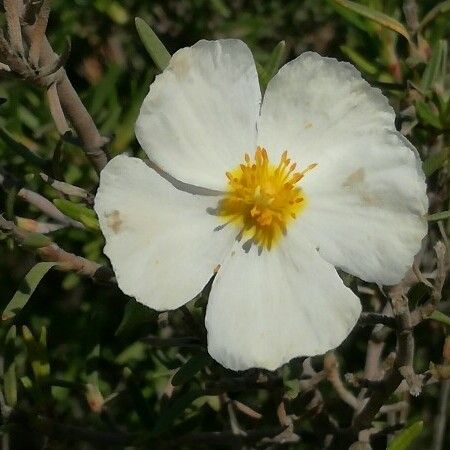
point(36, 226)
point(93, 143)
point(404, 358)
point(411, 17)
point(441, 419)
point(245, 409)
point(68, 189)
point(13, 24)
point(38, 34)
point(66, 261)
point(49, 72)
point(370, 319)
point(442, 264)
point(332, 369)
point(56, 110)
point(40, 202)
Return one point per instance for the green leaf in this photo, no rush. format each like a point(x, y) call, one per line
point(190, 369)
point(134, 315)
point(175, 409)
point(9, 376)
point(405, 438)
point(377, 16)
point(26, 289)
point(439, 9)
point(273, 64)
point(16, 147)
point(140, 403)
point(436, 68)
point(78, 211)
point(153, 45)
point(435, 162)
point(438, 216)
point(103, 89)
point(37, 353)
point(440, 317)
point(360, 61)
point(36, 240)
point(427, 116)
point(221, 7)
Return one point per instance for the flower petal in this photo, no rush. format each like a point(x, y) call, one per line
point(199, 117)
point(162, 242)
point(314, 104)
point(365, 214)
point(367, 195)
point(269, 307)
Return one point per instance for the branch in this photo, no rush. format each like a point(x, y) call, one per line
point(40, 202)
point(43, 69)
point(404, 358)
point(66, 261)
point(13, 25)
point(371, 319)
point(332, 368)
point(441, 419)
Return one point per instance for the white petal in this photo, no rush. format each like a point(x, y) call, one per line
point(314, 103)
point(265, 309)
point(199, 118)
point(367, 196)
point(162, 242)
point(365, 213)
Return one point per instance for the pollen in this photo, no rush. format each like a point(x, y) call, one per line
point(262, 198)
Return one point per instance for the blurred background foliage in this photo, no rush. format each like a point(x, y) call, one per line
point(78, 344)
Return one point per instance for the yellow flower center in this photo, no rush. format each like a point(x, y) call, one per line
point(263, 198)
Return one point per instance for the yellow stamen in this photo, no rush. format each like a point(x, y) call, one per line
point(263, 198)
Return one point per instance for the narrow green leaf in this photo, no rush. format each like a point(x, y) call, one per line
point(37, 353)
point(9, 376)
point(262, 75)
point(377, 16)
point(276, 59)
point(134, 315)
point(36, 240)
point(175, 409)
point(440, 317)
point(140, 403)
point(438, 216)
point(435, 162)
point(355, 19)
point(79, 212)
point(221, 7)
point(190, 369)
point(16, 147)
point(26, 288)
point(103, 89)
point(153, 45)
point(360, 62)
point(406, 437)
point(427, 116)
point(436, 67)
point(439, 9)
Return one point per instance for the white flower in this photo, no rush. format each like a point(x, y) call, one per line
point(276, 191)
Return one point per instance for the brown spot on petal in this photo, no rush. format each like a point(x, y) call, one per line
point(356, 177)
point(368, 199)
point(308, 125)
point(114, 221)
